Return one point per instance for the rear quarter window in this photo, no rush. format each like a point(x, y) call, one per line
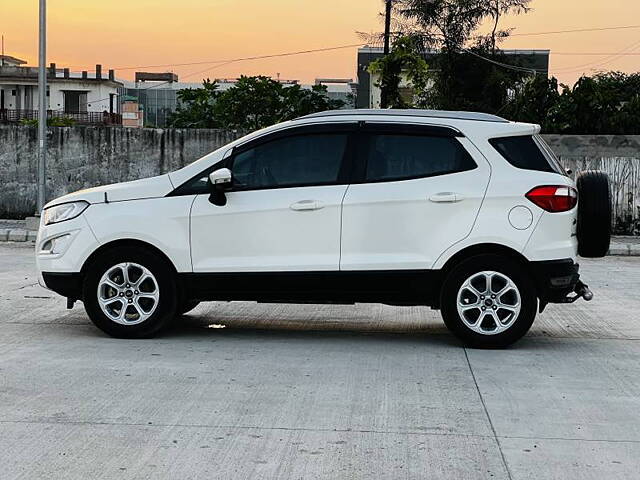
point(527, 152)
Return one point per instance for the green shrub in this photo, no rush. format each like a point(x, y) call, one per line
point(29, 122)
point(51, 122)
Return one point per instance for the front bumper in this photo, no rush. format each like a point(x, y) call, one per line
point(66, 284)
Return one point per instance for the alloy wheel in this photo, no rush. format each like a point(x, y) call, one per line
point(488, 302)
point(128, 293)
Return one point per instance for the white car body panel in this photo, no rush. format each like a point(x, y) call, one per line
point(261, 230)
point(80, 244)
point(258, 231)
point(164, 224)
point(153, 187)
point(396, 225)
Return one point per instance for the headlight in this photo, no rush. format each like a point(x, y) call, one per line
point(64, 211)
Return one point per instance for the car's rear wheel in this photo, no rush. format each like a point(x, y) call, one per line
point(488, 301)
point(130, 293)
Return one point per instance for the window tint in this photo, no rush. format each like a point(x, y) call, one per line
point(397, 157)
point(312, 159)
point(524, 152)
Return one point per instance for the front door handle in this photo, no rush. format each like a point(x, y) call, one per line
point(307, 205)
point(446, 197)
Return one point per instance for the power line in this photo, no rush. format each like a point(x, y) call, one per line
point(505, 65)
point(156, 85)
point(222, 63)
point(595, 54)
point(339, 47)
point(600, 62)
point(578, 30)
point(241, 59)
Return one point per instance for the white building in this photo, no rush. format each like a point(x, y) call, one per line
point(86, 97)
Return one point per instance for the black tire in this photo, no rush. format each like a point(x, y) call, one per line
point(594, 214)
point(511, 269)
point(187, 306)
point(165, 309)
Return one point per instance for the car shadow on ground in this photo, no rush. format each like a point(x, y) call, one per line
point(210, 326)
point(206, 326)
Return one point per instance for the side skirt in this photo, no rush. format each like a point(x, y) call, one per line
point(398, 287)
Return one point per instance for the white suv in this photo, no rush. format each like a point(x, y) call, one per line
point(465, 212)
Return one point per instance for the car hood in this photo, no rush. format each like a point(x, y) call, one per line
point(118, 192)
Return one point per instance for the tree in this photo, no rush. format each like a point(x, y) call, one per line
point(447, 25)
point(496, 9)
point(607, 103)
point(405, 58)
point(533, 101)
point(196, 107)
point(450, 26)
point(252, 103)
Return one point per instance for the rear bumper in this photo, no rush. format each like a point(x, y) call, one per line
point(66, 284)
point(555, 279)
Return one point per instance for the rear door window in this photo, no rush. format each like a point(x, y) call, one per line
point(402, 157)
point(527, 152)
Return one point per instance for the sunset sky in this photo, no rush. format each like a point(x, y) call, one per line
point(138, 33)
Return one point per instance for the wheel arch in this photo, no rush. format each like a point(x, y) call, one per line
point(126, 242)
point(484, 249)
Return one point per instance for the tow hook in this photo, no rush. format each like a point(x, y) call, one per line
point(581, 291)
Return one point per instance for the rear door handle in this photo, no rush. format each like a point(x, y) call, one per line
point(446, 197)
point(307, 205)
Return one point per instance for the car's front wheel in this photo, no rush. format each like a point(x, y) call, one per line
point(488, 301)
point(130, 293)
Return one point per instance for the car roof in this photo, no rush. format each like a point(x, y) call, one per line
point(474, 116)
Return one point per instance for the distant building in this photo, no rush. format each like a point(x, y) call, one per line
point(88, 98)
point(157, 93)
point(132, 113)
point(343, 89)
point(368, 95)
point(9, 61)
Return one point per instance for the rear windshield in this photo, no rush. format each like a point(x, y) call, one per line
point(528, 152)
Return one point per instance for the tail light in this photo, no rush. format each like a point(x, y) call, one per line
point(554, 198)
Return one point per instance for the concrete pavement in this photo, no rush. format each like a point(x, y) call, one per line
point(242, 390)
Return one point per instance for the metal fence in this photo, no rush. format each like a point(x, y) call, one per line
point(79, 118)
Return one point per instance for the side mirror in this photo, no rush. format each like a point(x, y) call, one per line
point(220, 180)
point(220, 177)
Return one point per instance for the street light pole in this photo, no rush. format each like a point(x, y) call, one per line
point(42, 107)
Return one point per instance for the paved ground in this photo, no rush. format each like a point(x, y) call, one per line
point(242, 390)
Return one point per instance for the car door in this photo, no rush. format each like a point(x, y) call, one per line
point(283, 210)
point(418, 191)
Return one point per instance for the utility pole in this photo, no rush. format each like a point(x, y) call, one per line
point(387, 33)
point(387, 26)
point(42, 107)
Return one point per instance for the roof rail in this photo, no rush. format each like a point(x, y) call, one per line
point(474, 116)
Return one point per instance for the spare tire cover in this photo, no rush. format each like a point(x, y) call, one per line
point(594, 214)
